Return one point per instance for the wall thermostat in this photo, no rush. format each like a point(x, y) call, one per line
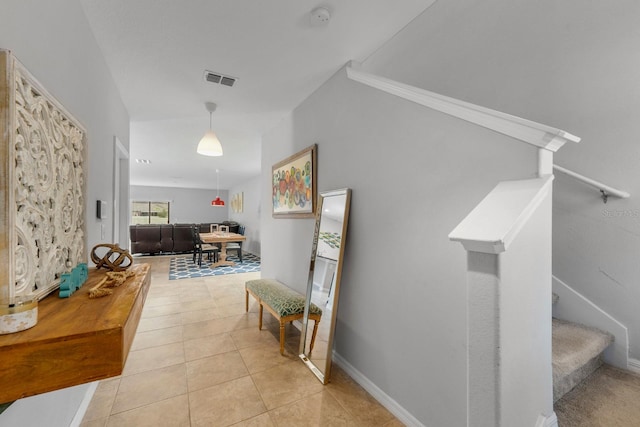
point(101, 209)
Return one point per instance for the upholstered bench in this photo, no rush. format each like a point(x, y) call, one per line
point(284, 303)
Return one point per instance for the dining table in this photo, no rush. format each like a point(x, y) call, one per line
point(222, 237)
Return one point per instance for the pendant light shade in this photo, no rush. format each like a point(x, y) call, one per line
point(210, 145)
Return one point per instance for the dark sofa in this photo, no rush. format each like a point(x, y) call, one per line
point(167, 238)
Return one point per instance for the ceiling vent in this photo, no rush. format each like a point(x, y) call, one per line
point(213, 77)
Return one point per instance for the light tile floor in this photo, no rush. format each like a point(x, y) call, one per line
point(198, 359)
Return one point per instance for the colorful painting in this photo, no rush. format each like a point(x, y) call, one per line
point(294, 185)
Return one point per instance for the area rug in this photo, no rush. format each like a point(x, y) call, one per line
point(183, 267)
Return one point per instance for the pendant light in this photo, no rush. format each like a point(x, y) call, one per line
point(210, 145)
point(217, 201)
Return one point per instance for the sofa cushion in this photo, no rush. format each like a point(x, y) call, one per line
point(233, 226)
point(166, 238)
point(182, 238)
point(145, 238)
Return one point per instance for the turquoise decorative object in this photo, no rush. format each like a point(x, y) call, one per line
point(72, 281)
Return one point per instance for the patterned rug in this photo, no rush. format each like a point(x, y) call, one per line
point(183, 267)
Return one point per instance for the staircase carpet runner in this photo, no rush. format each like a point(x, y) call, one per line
point(608, 397)
point(577, 352)
point(183, 267)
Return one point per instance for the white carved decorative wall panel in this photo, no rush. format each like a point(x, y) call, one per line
point(43, 191)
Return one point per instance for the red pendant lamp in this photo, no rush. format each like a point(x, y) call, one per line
point(217, 201)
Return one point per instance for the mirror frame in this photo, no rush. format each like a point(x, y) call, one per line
point(324, 375)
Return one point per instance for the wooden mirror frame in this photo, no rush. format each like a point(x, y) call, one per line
point(321, 365)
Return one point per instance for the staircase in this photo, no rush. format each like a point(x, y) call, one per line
point(577, 352)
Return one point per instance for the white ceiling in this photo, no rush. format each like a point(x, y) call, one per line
point(158, 50)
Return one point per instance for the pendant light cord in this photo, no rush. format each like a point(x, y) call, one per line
point(217, 183)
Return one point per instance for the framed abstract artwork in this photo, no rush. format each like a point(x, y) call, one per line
point(293, 182)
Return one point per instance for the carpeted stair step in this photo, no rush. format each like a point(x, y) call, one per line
point(577, 352)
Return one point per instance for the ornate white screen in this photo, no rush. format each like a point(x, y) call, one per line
point(45, 163)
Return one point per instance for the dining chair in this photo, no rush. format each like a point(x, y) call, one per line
point(237, 246)
point(199, 248)
point(213, 228)
point(223, 228)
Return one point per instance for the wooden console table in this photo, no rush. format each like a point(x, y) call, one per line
point(76, 340)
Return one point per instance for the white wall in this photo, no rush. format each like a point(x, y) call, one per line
point(186, 205)
point(415, 174)
point(250, 215)
point(569, 64)
point(53, 40)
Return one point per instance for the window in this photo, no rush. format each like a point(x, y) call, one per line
point(150, 213)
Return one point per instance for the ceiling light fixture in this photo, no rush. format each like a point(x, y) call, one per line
point(210, 145)
point(217, 201)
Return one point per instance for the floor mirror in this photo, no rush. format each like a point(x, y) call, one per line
point(323, 286)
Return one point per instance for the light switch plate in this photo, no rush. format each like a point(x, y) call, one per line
point(101, 209)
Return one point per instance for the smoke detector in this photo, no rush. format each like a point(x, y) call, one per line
point(320, 16)
point(219, 78)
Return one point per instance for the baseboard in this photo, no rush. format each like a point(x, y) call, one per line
point(634, 365)
point(574, 307)
point(82, 409)
point(385, 400)
point(549, 421)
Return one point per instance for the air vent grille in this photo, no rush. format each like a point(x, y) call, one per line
point(219, 78)
point(213, 78)
point(228, 81)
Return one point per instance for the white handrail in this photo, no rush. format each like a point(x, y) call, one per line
point(537, 134)
point(604, 189)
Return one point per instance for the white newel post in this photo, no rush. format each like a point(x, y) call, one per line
point(508, 242)
point(483, 338)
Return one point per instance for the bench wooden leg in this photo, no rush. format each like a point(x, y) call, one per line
point(246, 300)
point(281, 337)
point(260, 318)
point(313, 335)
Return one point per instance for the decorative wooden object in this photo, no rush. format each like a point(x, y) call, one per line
point(76, 340)
point(106, 261)
point(42, 190)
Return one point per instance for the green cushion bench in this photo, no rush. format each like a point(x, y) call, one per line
point(284, 303)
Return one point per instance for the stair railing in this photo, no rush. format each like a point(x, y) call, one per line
point(508, 242)
point(605, 190)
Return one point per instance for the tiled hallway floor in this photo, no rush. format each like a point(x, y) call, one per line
point(199, 360)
